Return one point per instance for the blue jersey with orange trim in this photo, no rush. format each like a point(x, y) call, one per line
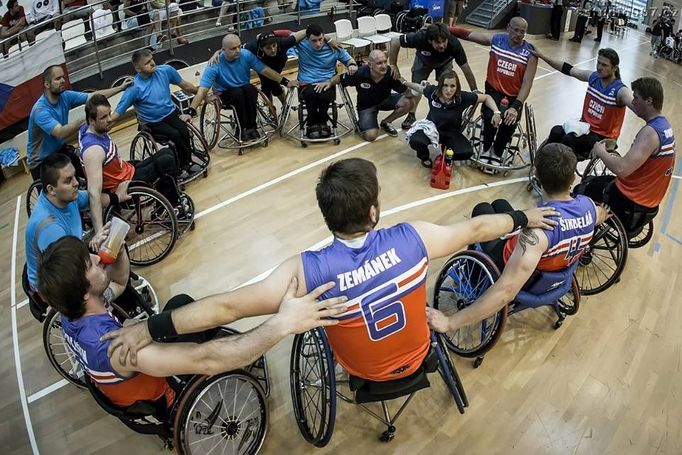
point(600, 108)
point(384, 334)
point(649, 183)
point(507, 64)
point(569, 239)
point(82, 337)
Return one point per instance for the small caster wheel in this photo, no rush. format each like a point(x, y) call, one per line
point(337, 141)
point(304, 144)
point(478, 362)
point(205, 173)
point(506, 174)
point(264, 143)
point(558, 324)
point(386, 436)
point(181, 187)
point(192, 226)
point(529, 187)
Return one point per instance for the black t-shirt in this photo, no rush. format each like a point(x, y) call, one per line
point(371, 93)
point(447, 117)
point(280, 59)
point(426, 53)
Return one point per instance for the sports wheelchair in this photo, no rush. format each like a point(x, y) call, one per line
point(223, 129)
point(227, 411)
point(144, 145)
point(514, 156)
point(154, 223)
point(138, 301)
point(468, 274)
point(335, 123)
point(314, 386)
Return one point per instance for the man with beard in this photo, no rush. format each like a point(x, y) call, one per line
point(383, 334)
point(48, 124)
point(378, 90)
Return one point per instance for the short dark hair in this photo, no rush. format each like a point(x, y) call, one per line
point(10, 4)
point(555, 167)
point(313, 30)
point(345, 193)
point(438, 31)
point(93, 103)
point(50, 168)
point(139, 55)
point(62, 276)
point(449, 74)
point(613, 57)
point(47, 73)
point(649, 87)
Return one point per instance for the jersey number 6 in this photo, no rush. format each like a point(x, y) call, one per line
point(383, 319)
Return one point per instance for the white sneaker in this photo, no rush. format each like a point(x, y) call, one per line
point(218, 23)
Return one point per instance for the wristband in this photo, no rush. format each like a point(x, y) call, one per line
point(566, 68)
point(161, 327)
point(519, 218)
point(113, 199)
point(284, 81)
point(191, 111)
point(517, 105)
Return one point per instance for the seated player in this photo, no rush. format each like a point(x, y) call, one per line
point(604, 105)
point(377, 90)
point(13, 23)
point(442, 127)
point(316, 67)
point(520, 256)
point(643, 174)
point(435, 49)
point(150, 95)
point(105, 170)
point(76, 284)
point(511, 69)
point(230, 78)
point(162, 11)
point(383, 335)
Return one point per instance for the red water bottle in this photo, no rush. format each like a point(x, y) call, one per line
point(442, 170)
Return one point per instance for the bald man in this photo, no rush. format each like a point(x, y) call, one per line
point(511, 70)
point(378, 90)
point(230, 79)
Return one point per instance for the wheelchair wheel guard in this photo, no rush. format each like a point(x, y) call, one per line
point(59, 354)
point(448, 372)
point(32, 195)
point(313, 386)
point(463, 279)
point(142, 147)
point(603, 262)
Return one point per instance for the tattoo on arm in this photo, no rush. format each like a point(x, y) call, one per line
point(528, 238)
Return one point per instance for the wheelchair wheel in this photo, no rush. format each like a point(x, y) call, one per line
point(596, 167)
point(223, 414)
point(58, 353)
point(463, 279)
point(143, 146)
point(200, 148)
point(449, 374)
point(641, 238)
point(153, 225)
point(266, 111)
point(603, 262)
point(531, 133)
point(313, 386)
point(570, 303)
point(32, 196)
point(209, 122)
point(350, 108)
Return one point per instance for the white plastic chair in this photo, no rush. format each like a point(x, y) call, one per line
point(95, 4)
point(73, 34)
point(367, 29)
point(103, 20)
point(44, 34)
point(385, 25)
point(344, 34)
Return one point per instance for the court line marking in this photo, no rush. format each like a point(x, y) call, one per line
point(15, 335)
point(58, 385)
point(281, 178)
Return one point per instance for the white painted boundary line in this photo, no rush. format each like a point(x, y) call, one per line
point(22, 303)
point(49, 389)
point(15, 336)
point(284, 177)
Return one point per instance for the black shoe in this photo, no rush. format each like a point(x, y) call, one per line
point(388, 128)
point(409, 120)
point(313, 132)
point(325, 131)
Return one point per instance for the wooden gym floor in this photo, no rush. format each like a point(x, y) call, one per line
point(607, 382)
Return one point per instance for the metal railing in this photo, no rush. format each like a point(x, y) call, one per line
point(114, 48)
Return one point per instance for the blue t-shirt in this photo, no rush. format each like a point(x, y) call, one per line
point(232, 74)
point(66, 221)
point(151, 96)
point(44, 117)
point(318, 66)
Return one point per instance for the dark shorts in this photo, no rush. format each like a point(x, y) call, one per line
point(453, 8)
point(421, 72)
point(368, 118)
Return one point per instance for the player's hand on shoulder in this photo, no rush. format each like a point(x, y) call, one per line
point(300, 314)
point(541, 217)
point(128, 340)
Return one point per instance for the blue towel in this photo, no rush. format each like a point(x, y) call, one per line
point(256, 18)
point(9, 157)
